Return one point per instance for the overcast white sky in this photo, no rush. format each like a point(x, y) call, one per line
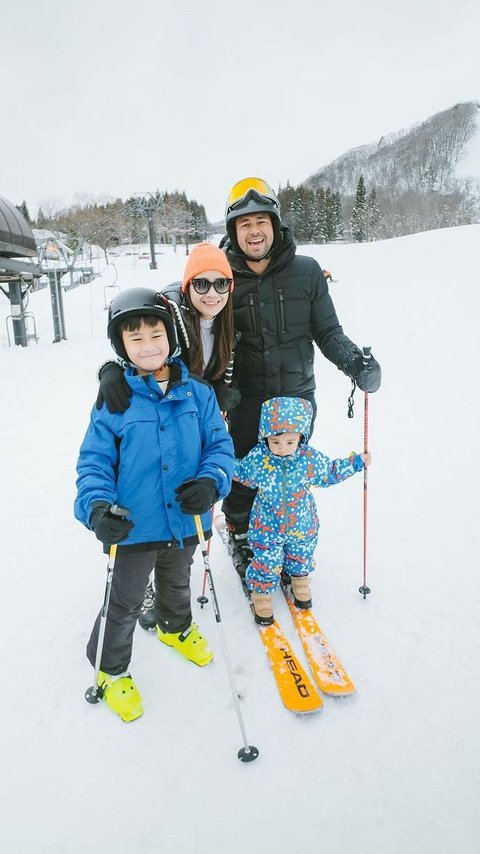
point(108, 97)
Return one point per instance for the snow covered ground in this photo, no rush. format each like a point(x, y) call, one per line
point(393, 769)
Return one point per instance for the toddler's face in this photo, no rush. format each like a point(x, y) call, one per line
point(284, 444)
point(147, 347)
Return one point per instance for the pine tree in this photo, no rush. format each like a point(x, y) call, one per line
point(41, 219)
point(330, 215)
point(295, 214)
point(337, 217)
point(24, 211)
point(359, 220)
point(322, 216)
point(315, 217)
point(305, 226)
point(373, 215)
point(285, 198)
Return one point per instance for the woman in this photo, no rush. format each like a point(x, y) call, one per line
point(202, 307)
point(203, 310)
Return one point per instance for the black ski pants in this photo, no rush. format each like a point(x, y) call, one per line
point(243, 426)
point(130, 578)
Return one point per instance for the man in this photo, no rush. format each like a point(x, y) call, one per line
point(281, 306)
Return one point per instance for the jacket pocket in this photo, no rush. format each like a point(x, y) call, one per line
point(281, 303)
point(253, 313)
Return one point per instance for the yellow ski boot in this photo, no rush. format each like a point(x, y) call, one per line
point(121, 694)
point(190, 643)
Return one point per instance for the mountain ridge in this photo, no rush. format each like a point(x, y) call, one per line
point(422, 157)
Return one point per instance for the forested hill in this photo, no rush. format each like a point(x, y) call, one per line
point(423, 157)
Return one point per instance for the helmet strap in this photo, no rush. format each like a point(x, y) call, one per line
point(159, 371)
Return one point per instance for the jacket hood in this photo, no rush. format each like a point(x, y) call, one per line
point(283, 253)
point(285, 415)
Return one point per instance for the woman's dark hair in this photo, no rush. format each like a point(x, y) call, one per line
point(223, 332)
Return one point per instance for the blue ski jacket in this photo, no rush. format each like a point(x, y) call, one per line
point(284, 508)
point(137, 458)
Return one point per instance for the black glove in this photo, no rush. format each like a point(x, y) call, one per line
point(114, 389)
point(196, 496)
point(228, 396)
point(367, 375)
point(109, 524)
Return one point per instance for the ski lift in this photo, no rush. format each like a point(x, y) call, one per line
point(17, 271)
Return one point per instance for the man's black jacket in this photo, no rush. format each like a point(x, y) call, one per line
point(279, 315)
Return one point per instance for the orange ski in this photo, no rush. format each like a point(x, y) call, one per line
point(296, 689)
point(329, 674)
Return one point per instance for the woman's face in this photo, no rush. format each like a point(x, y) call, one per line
point(210, 304)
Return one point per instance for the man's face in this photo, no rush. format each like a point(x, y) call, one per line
point(254, 234)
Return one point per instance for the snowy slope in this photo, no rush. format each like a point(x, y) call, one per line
point(394, 769)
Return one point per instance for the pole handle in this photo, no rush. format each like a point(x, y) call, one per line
point(367, 355)
point(116, 510)
point(200, 534)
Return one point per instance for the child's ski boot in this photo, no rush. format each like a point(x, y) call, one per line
point(262, 608)
point(302, 594)
point(189, 643)
point(121, 694)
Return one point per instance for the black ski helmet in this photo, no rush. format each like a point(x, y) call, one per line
point(138, 301)
point(250, 196)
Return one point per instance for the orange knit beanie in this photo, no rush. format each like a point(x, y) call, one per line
point(203, 257)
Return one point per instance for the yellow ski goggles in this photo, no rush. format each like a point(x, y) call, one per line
point(248, 187)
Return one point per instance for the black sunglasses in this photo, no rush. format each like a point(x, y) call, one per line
point(202, 286)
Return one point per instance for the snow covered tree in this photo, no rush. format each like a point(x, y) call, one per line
point(337, 217)
point(25, 212)
point(315, 216)
point(373, 211)
point(359, 220)
point(322, 217)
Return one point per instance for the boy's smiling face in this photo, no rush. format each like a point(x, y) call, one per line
point(284, 444)
point(147, 347)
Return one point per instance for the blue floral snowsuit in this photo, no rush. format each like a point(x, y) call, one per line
point(283, 529)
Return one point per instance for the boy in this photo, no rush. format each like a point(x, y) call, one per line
point(284, 524)
point(167, 458)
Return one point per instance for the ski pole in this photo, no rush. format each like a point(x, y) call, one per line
point(248, 752)
point(93, 694)
point(202, 599)
point(364, 590)
point(227, 379)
